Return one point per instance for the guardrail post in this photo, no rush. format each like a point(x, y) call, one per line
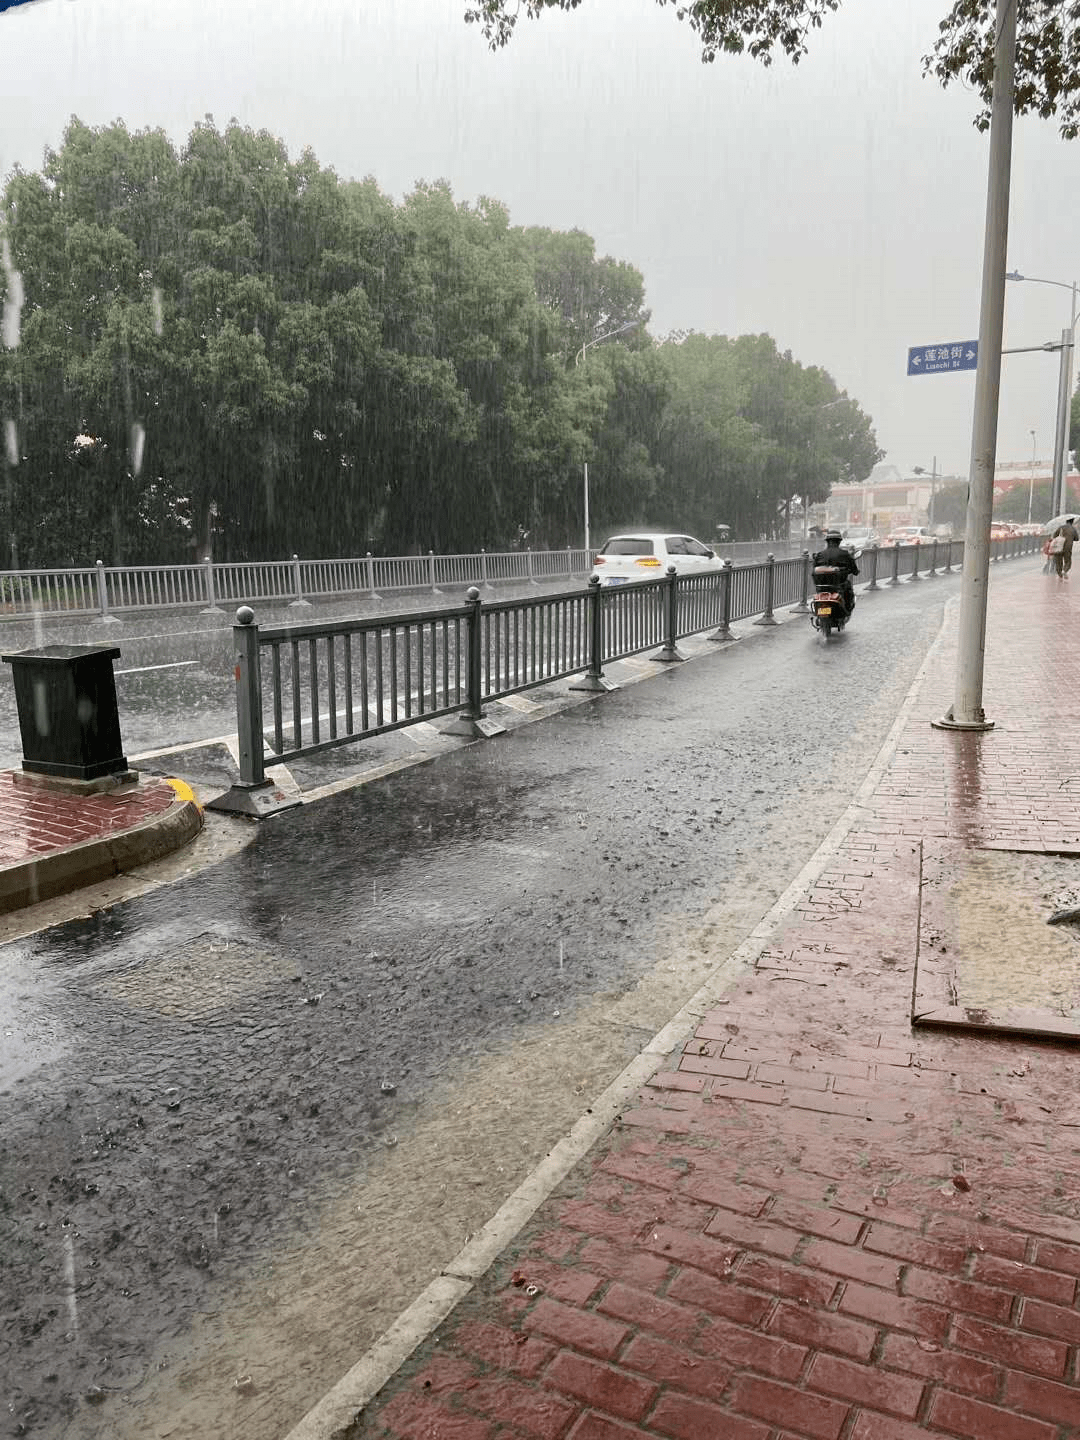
point(369, 567)
point(529, 567)
point(299, 603)
point(946, 569)
point(724, 635)
point(915, 562)
point(802, 607)
point(105, 615)
point(669, 651)
point(253, 794)
point(933, 561)
point(593, 679)
point(212, 607)
point(249, 736)
point(471, 723)
point(484, 579)
point(874, 552)
point(895, 565)
point(770, 570)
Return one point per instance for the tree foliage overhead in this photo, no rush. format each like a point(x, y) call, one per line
point(1047, 51)
point(218, 349)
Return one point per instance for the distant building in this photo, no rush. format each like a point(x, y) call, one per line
point(883, 500)
point(1011, 474)
point(886, 498)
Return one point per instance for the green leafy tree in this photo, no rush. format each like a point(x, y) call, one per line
point(633, 389)
point(1047, 56)
point(590, 296)
point(950, 507)
point(223, 349)
point(1013, 505)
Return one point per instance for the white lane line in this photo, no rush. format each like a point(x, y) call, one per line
point(170, 665)
point(225, 740)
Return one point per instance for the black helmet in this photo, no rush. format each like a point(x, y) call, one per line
point(833, 537)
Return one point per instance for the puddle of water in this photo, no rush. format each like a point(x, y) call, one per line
point(993, 917)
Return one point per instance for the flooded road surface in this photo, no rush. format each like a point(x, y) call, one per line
point(246, 1118)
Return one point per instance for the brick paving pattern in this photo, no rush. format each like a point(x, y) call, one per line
point(816, 1223)
point(35, 821)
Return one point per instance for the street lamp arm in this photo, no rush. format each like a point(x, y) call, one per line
point(630, 325)
point(1037, 280)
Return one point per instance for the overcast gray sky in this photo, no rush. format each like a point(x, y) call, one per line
point(837, 205)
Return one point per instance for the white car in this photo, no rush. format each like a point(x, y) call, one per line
point(859, 540)
point(646, 555)
point(910, 535)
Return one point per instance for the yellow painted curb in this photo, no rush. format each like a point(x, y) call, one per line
point(183, 791)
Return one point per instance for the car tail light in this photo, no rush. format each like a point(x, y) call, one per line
point(599, 560)
point(649, 560)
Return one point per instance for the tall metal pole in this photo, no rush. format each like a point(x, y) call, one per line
point(630, 325)
point(1064, 399)
point(587, 545)
point(1068, 403)
point(966, 711)
point(1061, 424)
point(1031, 486)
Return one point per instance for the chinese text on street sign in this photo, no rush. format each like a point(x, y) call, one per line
point(935, 359)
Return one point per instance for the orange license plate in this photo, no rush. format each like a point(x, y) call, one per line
point(824, 609)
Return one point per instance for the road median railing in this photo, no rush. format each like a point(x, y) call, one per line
point(104, 592)
point(306, 688)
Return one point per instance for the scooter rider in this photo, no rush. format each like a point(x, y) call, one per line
point(835, 554)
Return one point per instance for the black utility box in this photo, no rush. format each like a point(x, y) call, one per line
point(68, 718)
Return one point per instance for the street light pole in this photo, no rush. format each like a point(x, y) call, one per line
point(630, 325)
point(918, 470)
point(1059, 488)
point(966, 711)
point(1061, 430)
point(1031, 487)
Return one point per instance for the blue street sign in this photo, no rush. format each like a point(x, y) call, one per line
point(935, 359)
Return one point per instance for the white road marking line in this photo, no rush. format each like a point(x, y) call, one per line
point(170, 665)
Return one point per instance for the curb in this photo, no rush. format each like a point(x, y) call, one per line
point(335, 1416)
point(43, 878)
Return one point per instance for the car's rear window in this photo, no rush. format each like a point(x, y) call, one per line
point(628, 545)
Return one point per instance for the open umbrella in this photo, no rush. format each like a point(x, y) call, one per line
point(1052, 525)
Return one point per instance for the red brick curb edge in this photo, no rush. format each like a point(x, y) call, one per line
point(42, 877)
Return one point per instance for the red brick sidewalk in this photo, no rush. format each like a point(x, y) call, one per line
point(818, 1222)
point(35, 820)
point(52, 842)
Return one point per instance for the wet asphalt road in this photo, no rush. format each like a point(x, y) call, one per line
point(273, 1099)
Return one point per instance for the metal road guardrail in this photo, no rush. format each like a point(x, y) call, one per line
point(302, 689)
point(105, 591)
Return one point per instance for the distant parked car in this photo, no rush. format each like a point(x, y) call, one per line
point(859, 540)
point(646, 555)
point(910, 535)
